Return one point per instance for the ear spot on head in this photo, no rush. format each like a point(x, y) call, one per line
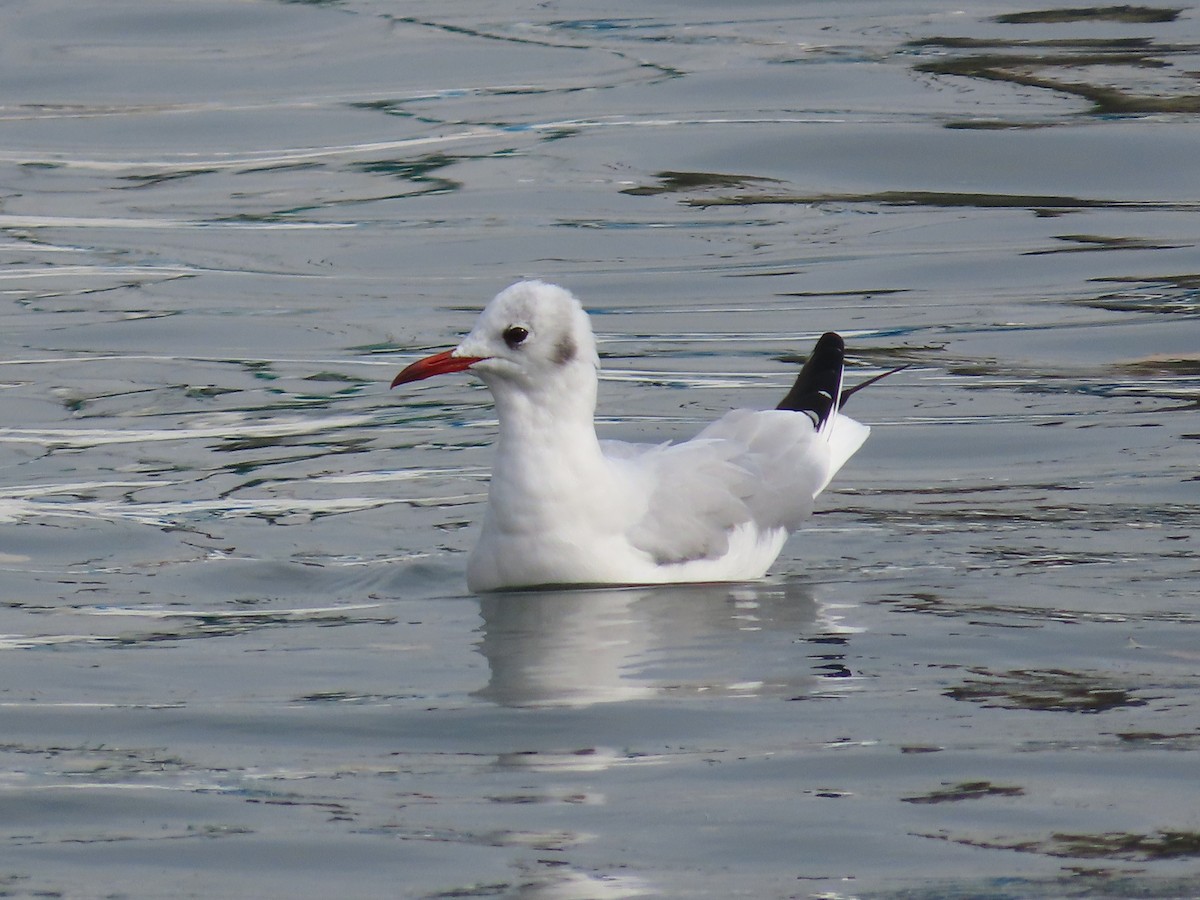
point(564, 350)
point(514, 335)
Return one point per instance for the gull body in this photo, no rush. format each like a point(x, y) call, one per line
point(565, 508)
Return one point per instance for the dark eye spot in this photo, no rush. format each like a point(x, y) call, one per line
point(564, 351)
point(514, 335)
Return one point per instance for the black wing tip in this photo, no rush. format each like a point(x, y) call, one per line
point(830, 337)
point(818, 389)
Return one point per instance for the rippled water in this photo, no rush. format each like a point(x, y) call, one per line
point(238, 656)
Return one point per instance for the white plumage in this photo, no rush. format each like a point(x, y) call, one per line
point(565, 508)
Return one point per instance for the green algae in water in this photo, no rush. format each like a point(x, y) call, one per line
point(1030, 71)
point(1158, 845)
point(1046, 690)
point(1130, 14)
point(943, 199)
point(678, 182)
point(967, 790)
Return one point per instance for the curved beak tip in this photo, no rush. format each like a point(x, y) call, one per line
point(438, 364)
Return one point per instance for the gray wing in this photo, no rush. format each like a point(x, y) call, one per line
point(750, 466)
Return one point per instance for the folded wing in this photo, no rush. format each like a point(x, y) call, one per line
point(761, 467)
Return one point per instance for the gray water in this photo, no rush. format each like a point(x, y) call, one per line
point(238, 654)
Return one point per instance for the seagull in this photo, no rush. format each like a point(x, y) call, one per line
point(568, 509)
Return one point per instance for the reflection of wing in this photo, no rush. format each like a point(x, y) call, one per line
point(762, 468)
point(582, 647)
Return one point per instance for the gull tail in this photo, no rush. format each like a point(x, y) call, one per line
point(818, 389)
point(819, 395)
point(820, 381)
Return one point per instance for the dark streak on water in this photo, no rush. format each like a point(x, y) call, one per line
point(236, 653)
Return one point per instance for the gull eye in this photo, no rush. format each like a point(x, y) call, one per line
point(514, 335)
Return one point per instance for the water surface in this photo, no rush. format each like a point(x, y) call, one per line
point(238, 654)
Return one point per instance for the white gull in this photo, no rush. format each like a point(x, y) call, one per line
point(565, 508)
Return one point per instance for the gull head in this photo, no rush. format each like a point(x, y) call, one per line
point(532, 335)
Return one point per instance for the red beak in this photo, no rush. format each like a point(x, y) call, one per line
point(438, 364)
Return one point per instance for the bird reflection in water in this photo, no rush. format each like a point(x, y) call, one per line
point(573, 648)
